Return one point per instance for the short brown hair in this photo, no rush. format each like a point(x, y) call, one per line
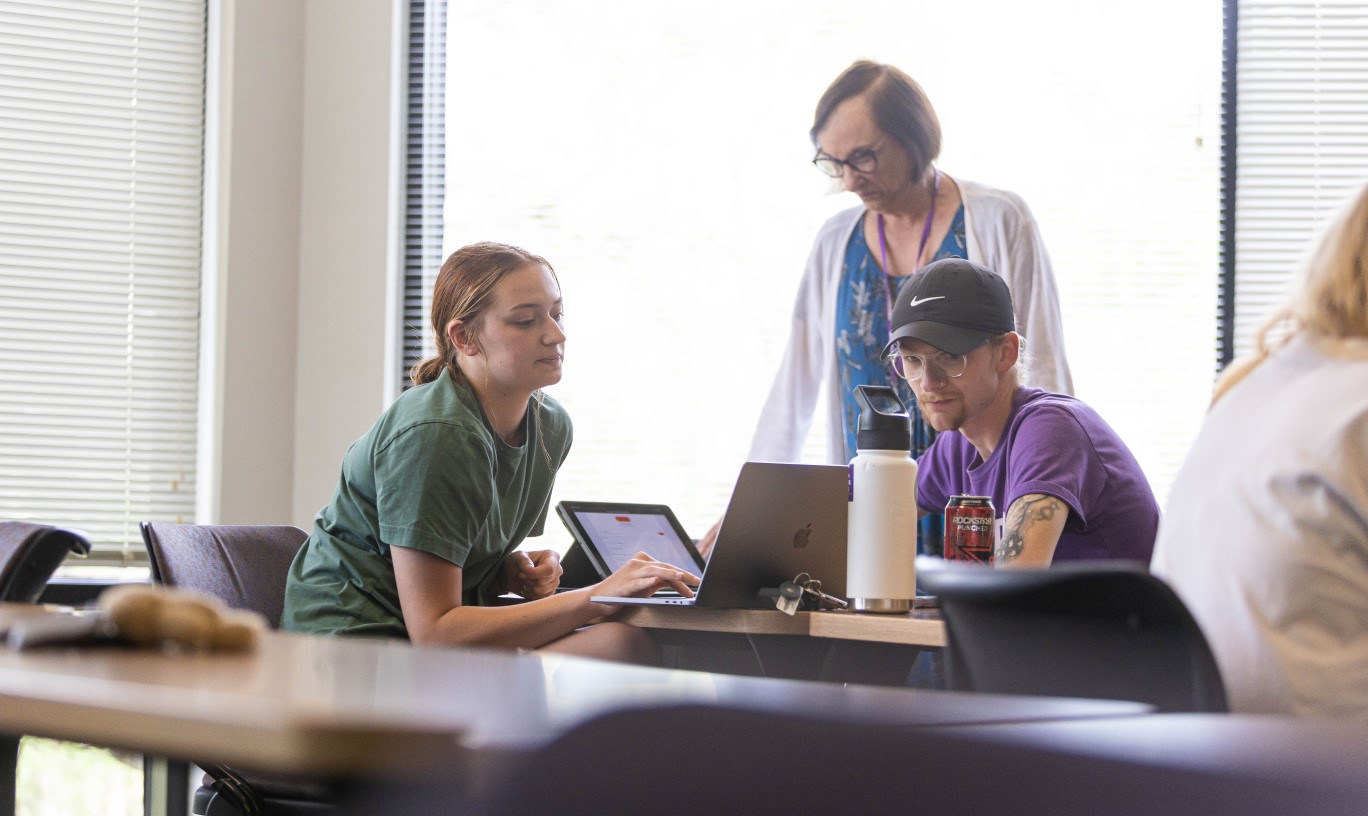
point(900, 108)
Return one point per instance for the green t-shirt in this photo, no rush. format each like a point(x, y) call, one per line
point(431, 475)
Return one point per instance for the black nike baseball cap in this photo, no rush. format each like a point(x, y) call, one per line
point(953, 304)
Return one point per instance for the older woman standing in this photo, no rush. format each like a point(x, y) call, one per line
point(876, 132)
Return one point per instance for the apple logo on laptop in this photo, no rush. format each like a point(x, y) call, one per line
point(800, 538)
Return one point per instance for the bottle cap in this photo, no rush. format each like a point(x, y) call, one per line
point(883, 423)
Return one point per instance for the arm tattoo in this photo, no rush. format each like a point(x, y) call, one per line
point(1024, 513)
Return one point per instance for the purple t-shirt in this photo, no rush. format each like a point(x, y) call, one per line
point(1060, 447)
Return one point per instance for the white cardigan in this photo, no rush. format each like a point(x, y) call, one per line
point(1001, 234)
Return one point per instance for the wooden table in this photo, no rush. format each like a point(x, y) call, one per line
point(336, 706)
point(921, 628)
point(842, 647)
point(283, 708)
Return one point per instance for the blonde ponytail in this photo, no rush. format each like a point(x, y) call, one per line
point(1331, 308)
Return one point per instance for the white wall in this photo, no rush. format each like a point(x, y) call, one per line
point(344, 250)
point(296, 278)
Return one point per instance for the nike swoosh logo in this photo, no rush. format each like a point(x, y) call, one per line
point(919, 301)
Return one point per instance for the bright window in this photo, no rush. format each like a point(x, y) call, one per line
point(657, 155)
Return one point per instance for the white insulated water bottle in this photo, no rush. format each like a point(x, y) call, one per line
point(881, 545)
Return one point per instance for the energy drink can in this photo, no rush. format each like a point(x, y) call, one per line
point(970, 529)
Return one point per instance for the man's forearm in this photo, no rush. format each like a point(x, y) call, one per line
point(1031, 531)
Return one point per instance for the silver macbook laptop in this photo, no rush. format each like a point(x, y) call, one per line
point(782, 520)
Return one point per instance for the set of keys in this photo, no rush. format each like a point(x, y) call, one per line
point(805, 592)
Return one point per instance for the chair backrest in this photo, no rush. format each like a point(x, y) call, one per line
point(675, 761)
point(242, 566)
point(1101, 630)
point(29, 554)
point(689, 760)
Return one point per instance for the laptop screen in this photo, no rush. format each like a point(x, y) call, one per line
point(612, 533)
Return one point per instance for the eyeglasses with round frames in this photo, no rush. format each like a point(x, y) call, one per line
point(865, 160)
point(912, 367)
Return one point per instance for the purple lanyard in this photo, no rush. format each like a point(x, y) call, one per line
point(926, 233)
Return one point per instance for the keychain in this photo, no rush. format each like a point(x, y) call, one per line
point(803, 593)
point(813, 589)
point(790, 596)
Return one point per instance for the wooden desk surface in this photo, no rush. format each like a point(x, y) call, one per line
point(278, 709)
point(916, 628)
point(325, 705)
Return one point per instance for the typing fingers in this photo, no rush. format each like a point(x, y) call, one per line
point(643, 585)
point(680, 580)
point(644, 575)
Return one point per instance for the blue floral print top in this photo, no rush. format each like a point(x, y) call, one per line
point(863, 304)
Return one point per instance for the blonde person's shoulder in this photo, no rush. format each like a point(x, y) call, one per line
point(1232, 374)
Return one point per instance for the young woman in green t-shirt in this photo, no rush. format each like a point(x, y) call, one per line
point(422, 532)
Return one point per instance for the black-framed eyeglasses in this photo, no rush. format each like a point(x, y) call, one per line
point(864, 160)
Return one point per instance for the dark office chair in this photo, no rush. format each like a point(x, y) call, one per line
point(242, 566)
point(29, 554)
point(1102, 630)
point(685, 761)
point(245, 568)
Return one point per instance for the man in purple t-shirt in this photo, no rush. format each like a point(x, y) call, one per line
point(1064, 484)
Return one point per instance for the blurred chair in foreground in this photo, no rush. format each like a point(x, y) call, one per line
point(699, 760)
point(29, 554)
point(1111, 631)
point(244, 566)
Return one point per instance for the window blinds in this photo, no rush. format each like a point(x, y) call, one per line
point(425, 175)
point(1301, 136)
point(101, 167)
